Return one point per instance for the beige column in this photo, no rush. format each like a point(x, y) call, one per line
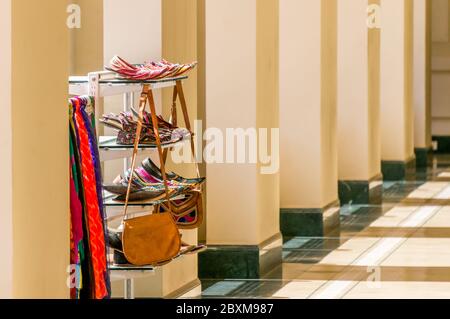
point(180, 44)
point(40, 149)
point(441, 74)
point(308, 87)
point(422, 80)
point(359, 147)
point(397, 118)
point(6, 234)
point(241, 51)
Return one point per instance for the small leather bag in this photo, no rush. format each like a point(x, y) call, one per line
point(151, 239)
point(188, 211)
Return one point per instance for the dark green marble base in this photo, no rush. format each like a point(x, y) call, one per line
point(361, 192)
point(313, 222)
point(443, 144)
point(422, 155)
point(398, 170)
point(240, 262)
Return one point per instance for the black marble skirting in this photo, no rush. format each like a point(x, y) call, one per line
point(361, 192)
point(443, 144)
point(398, 170)
point(240, 262)
point(312, 222)
point(422, 156)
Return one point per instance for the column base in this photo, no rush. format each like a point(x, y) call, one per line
point(240, 262)
point(443, 144)
point(313, 222)
point(361, 192)
point(398, 170)
point(422, 155)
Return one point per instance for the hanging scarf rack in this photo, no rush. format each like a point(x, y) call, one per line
point(88, 230)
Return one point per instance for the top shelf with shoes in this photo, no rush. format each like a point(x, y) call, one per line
point(109, 84)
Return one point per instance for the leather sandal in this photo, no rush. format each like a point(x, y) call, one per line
point(126, 124)
point(155, 171)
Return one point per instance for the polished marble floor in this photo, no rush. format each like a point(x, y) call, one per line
point(399, 249)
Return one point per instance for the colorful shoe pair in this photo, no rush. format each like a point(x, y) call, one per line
point(126, 125)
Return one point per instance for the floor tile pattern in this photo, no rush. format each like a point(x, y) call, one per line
point(399, 249)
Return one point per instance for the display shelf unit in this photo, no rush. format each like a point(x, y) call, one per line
point(103, 84)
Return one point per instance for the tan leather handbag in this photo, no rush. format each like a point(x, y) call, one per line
point(151, 239)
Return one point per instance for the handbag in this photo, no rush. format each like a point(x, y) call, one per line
point(151, 239)
point(187, 211)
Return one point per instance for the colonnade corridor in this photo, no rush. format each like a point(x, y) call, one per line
point(399, 249)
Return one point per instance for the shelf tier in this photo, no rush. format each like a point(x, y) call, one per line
point(125, 272)
point(130, 272)
point(119, 272)
point(79, 85)
point(110, 150)
point(108, 201)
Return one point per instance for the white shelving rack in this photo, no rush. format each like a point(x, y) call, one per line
point(103, 84)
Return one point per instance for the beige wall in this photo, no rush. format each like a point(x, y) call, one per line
point(6, 235)
point(86, 42)
point(308, 103)
point(328, 96)
point(409, 78)
point(396, 80)
point(358, 98)
point(235, 98)
point(440, 67)
point(137, 38)
point(440, 22)
point(179, 44)
point(374, 61)
point(422, 107)
point(40, 68)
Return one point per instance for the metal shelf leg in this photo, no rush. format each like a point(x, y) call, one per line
point(129, 288)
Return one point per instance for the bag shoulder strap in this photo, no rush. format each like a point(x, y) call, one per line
point(142, 104)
